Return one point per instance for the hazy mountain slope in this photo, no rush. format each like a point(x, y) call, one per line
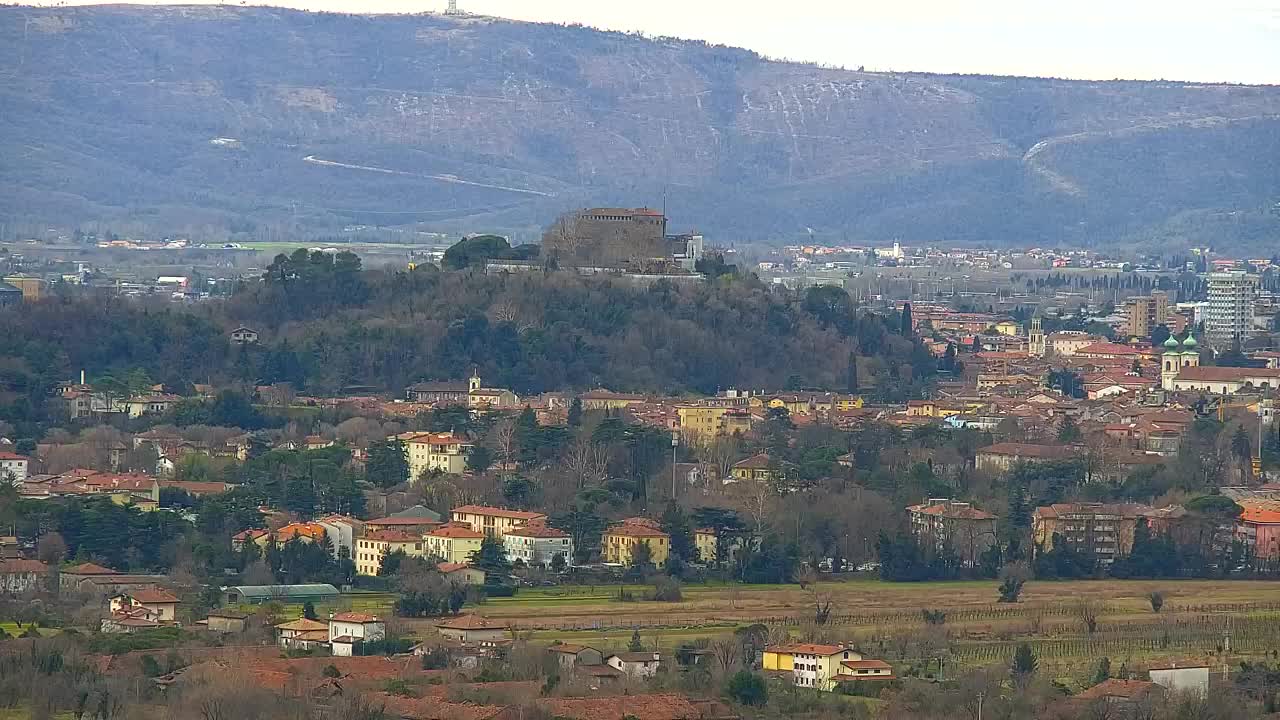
point(110, 113)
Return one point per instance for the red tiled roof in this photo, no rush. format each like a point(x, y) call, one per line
point(755, 462)
point(448, 567)
point(302, 625)
point(434, 708)
point(11, 456)
point(150, 595)
point(472, 622)
point(88, 569)
point(1116, 688)
point(497, 512)
point(867, 665)
point(633, 530)
point(392, 536)
point(1227, 374)
point(14, 567)
point(805, 649)
point(460, 533)
point(950, 510)
point(355, 617)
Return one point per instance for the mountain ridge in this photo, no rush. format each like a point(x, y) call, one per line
point(428, 122)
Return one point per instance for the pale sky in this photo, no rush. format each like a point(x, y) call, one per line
point(1199, 40)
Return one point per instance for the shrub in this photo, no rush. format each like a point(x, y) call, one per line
point(667, 589)
point(748, 688)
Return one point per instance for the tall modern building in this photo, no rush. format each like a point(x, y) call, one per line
point(1144, 314)
point(1229, 315)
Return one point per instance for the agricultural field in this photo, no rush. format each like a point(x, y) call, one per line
point(1204, 621)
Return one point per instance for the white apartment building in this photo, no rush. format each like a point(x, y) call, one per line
point(1229, 313)
point(13, 468)
point(537, 544)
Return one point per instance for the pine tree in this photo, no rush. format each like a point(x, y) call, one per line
point(852, 380)
point(906, 320)
point(635, 645)
point(1024, 662)
point(1103, 673)
point(575, 412)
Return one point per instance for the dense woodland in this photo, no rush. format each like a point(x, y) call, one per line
point(326, 325)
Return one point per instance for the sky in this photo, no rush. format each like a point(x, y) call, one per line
point(1196, 40)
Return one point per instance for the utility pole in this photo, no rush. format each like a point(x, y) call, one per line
point(675, 441)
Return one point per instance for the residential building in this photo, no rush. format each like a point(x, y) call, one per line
point(19, 576)
point(348, 629)
point(537, 544)
point(1258, 528)
point(473, 629)
point(569, 656)
point(1102, 532)
point(342, 532)
point(302, 634)
point(453, 543)
point(859, 670)
point(375, 544)
point(808, 665)
point(227, 621)
point(1001, 457)
point(1144, 314)
point(620, 541)
point(707, 541)
point(494, 521)
point(154, 404)
point(435, 452)
point(755, 467)
point(244, 336)
point(708, 420)
point(10, 295)
point(303, 532)
point(635, 665)
point(606, 400)
point(160, 605)
point(939, 523)
point(1228, 318)
point(1187, 679)
point(1065, 343)
point(460, 573)
point(13, 468)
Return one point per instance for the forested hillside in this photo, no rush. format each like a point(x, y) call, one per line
point(326, 325)
point(266, 122)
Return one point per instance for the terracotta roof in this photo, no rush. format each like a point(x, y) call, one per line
point(805, 649)
point(1108, 348)
point(472, 622)
point(1116, 688)
point(952, 510)
point(866, 665)
point(538, 531)
point(354, 617)
point(401, 521)
point(195, 488)
point(149, 595)
point(392, 536)
point(632, 530)
point(460, 533)
point(756, 462)
point(13, 567)
point(303, 625)
point(11, 456)
point(1121, 509)
point(434, 708)
point(88, 569)
point(569, 648)
point(497, 512)
point(1227, 374)
point(448, 567)
point(314, 531)
point(635, 657)
point(1265, 512)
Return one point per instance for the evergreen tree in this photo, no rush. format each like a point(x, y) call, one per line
point(906, 327)
point(492, 559)
point(635, 645)
point(1103, 673)
point(851, 381)
point(1024, 663)
point(309, 610)
point(641, 560)
point(575, 412)
point(1069, 431)
point(676, 524)
point(748, 688)
point(387, 464)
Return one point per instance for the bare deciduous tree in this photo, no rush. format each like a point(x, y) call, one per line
point(1088, 611)
point(587, 463)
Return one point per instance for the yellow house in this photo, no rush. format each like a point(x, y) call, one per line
point(848, 402)
point(620, 541)
point(453, 543)
point(435, 452)
point(810, 665)
point(375, 544)
point(494, 521)
point(708, 421)
point(753, 468)
point(1008, 327)
point(705, 540)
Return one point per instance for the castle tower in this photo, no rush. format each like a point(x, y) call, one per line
point(1035, 346)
